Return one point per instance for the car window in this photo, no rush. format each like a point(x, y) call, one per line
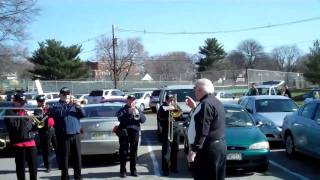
point(181, 94)
point(273, 91)
point(249, 105)
point(96, 93)
point(308, 110)
point(138, 95)
point(107, 92)
point(317, 116)
point(155, 93)
point(275, 105)
point(147, 96)
point(226, 95)
point(55, 95)
point(237, 117)
point(244, 102)
point(263, 91)
point(101, 111)
point(48, 96)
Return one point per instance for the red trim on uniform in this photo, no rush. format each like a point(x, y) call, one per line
point(50, 122)
point(30, 143)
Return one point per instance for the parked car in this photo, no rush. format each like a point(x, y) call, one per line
point(226, 97)
point(49, 96)
point(142, 99)
point(181, 91)
point(97, 96)
point(82, 98)
point(154, 100)
point(4, 135)
point(301, 130)
point(311, 95)
point(247, 146)
point(96, 133)
point(269, 112)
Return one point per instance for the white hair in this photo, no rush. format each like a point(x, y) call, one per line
point(205, 85)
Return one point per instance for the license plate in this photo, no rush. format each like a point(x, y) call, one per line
point(234, 156)
point(99, 135)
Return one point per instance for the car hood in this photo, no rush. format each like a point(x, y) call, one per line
point(275, 117)
point(244, 136)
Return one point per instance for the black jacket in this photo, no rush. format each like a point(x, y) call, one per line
point(20, 129)
point(127, 121)
point(163, 117)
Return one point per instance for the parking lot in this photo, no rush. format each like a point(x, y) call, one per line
point(149, 163)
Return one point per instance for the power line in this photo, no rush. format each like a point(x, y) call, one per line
point(93, 38)
point(223, 31)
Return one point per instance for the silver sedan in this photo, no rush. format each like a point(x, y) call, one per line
point(97, 136)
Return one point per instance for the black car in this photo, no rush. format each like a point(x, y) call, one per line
point(154, 100)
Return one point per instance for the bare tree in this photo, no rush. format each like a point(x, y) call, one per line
point(252, 50)
point(128, 53)
point(286, 57)
point(14, 16)
point(171, 67)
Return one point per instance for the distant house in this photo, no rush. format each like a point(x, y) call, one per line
point(9, 76)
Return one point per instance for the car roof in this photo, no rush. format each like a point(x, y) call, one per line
point(171, 87)
point(269, 97)
point(105, 104)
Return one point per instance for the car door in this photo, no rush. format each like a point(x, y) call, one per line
point(146, 100)
point(301, 126)
point(314, 133)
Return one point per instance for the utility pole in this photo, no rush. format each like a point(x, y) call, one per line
point(114, 58)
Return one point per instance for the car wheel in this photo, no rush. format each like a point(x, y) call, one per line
point(290, 147)
point(263, 167)
point(154, 109)
point(142, 107)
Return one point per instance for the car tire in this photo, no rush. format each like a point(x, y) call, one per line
point(154, 109)
point(263, 167)
point(290, 146)
point(141, 107)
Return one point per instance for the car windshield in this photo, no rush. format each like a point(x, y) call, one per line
point(237, 117)
point(101, 111)
point(275, 105)
point(78, 96)
point(227, 95)
point(182, 93)
point(138, 95)
point(96, 93)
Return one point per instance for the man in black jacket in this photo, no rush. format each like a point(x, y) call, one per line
point(169, 149)
point(206, 133)
point(67, 114)
point(130, 119)
point(21, 134)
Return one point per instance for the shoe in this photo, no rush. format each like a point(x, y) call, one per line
point(123, 174)
point(134, 173)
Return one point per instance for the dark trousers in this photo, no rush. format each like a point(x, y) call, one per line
point(210, 161)
point(131, 141)
point(47, 137)
point(23, 154)
point(69, 144)
point(170, 150)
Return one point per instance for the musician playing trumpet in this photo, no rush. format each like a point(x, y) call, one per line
point(21, 133)
point(170, 148)
point(46, 133)
point(130, 118)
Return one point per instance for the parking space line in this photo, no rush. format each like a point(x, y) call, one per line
point(288, 171)
point(154, 160)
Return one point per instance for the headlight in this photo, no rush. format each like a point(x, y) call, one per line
point(260, 145)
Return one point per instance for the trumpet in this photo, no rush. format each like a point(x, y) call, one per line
point(39, 123)
point(174, 112)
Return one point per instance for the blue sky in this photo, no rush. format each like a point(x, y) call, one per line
point(73, 21)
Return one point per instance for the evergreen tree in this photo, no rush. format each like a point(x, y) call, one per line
point(53, 61)
point(211, 52)
point(313, 64)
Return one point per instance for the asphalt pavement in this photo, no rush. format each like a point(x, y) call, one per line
point(149, 163)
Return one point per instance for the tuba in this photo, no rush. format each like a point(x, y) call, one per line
point(174, 112)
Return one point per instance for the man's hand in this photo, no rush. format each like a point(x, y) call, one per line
point(191, 156)
point(190, 102)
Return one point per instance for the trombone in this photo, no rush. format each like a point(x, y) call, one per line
point(174, 112)
point(39, 123)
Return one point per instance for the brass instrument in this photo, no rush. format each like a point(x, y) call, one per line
point(136, 114)
point(39, 123)
point(174, 112)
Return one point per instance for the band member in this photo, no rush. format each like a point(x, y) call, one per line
point(253, 90)
point(206, 133)
point(67, 114)
point(286, 91)
point(169, 149)
point(47, 135)
point(21, 134)
point(130, 119)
